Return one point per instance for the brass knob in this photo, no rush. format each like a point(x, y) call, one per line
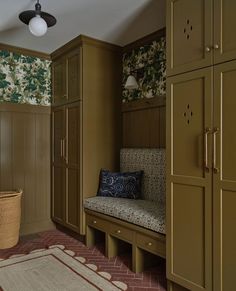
point(208, 49)
point(216, 46)
point(94, 222)
point(118, 231)
point(149, 244)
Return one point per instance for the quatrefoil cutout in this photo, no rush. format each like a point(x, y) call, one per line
point(188, 29)
point(188, 114)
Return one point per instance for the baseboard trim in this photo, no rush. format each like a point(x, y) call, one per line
point(30, 228)
point(70, 232)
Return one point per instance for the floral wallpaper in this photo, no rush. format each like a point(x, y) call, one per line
point(24, 79)
point(149, 61)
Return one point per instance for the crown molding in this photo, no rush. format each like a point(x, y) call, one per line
point(24, 51)
point(145, 40)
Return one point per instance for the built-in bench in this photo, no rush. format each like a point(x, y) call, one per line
point(139, 222)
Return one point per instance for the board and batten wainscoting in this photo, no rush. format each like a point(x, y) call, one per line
point(144, 123)
point(25, 161)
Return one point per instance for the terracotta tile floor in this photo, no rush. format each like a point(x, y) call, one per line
point(151, 280)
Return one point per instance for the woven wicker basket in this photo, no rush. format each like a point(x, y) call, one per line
point(10, 216)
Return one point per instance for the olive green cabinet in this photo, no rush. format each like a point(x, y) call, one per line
point(201, 178)
point(201, 142)
point(199, 34)
point(86, 124)
point(66, 165)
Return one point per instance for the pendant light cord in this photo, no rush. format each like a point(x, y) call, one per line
point(37, 8)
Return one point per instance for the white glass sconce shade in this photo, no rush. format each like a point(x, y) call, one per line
point(131, 83)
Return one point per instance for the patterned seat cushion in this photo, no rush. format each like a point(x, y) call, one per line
point(148, 214)
point(152, 163)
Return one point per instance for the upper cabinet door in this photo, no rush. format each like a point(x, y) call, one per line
point(59, 81)
point(189, 35)
point(73, 76)
point(224, 34)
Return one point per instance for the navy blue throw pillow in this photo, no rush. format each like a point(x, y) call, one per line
point(120, 185)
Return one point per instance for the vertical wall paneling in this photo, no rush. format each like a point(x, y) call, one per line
point(6, 157)
point(25, 161)
point(144, 123)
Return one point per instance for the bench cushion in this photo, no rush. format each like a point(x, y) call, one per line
point(152, 163)
point(148, 214)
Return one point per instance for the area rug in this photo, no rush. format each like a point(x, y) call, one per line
point(54, 269)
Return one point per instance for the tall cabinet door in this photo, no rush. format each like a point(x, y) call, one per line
point(224, 30)
point(73, 202)
point(58, 164)
point(225, 177)
point(189, 180)
point(189, 35)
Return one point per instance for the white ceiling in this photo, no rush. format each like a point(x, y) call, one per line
point(116, 21)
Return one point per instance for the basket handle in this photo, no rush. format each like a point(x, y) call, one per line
point(10, 194)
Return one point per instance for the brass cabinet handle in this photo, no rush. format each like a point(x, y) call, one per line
point(206, 133)
point(149, 244)
point(61, 148)
point(94, 222)
point(208, 49)
point(118, 231)
point(216, 46)
point(215, 132)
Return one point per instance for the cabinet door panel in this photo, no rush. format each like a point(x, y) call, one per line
point(73, 209)
point(224, 33)
point(73, 133)
point(73, 76)
point(58, 132)
point(72, 198)
point(58, 193)
point(225, 177)
point(59, 81)
point(188, 126)
point(189, 33)
point(189, 184)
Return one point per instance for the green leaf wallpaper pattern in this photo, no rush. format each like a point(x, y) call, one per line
point(24, 79)
point(151, 61)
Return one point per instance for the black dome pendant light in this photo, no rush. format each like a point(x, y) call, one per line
point(37, 20)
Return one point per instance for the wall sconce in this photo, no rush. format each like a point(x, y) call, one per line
point(132, 80)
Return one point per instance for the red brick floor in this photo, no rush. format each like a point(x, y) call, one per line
point(151, 280)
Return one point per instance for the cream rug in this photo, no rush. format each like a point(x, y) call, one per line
point(53, 269)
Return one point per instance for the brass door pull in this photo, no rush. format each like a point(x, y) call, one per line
point(206, 133)
point(61, 148)
point(118, 231)
point(215, 168)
